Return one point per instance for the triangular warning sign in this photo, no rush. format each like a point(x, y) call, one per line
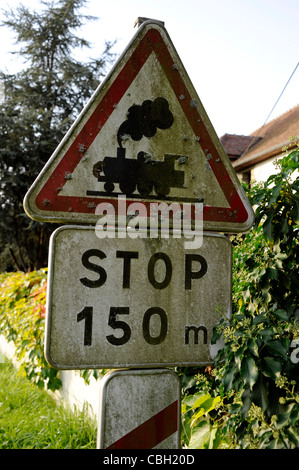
point(145, 136)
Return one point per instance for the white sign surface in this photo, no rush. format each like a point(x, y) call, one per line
point(117, 303)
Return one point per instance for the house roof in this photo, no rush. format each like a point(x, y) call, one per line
point(266, 141)
point(235, 145)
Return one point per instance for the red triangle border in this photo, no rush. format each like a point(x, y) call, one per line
point(49, 199)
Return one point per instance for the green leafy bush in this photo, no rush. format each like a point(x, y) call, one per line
point(201, 427)
point(22, 320)
point(251, 398)
point(256, 374)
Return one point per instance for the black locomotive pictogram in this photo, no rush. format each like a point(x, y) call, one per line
point(142, 173)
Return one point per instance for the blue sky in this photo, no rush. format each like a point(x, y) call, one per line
point(239, 54)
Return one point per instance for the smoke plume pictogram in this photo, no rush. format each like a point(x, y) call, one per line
point(144, 120)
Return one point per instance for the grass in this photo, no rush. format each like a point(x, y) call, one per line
point(31, 419)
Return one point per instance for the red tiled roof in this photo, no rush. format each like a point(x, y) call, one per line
point(235, 145)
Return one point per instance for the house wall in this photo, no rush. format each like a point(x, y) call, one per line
point(261, 171)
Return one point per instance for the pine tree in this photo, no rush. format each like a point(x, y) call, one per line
point(38, 105)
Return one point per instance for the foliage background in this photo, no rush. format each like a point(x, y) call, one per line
point(22, 321)
point(256, 378)
point(250, 398)
point(37, 107)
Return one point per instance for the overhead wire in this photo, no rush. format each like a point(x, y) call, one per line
point(261, 128)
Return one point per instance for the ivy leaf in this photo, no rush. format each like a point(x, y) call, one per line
point(239, 357)
point(229, 377)
point(246, 294)
point(235, 408)
point(284, 227)
point(268, 228)
point(281, 314)
point(275, 193)
point(295, 211)
point(294, 414)
point(253, 346)
point(260, 395)
point(200, 401)
point(246, 399)
point(249, 371)
point(199, 435)
point(293, 436)
point(271, 367)
point(277, 348)
point(191, 399)
point(215, 336)
point(272, 273)
point(259, 319)
point(205, 406)
point(295, 283)
point(282, 420)
point(267, 333)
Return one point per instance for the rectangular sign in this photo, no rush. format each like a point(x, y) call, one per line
point(143, 302)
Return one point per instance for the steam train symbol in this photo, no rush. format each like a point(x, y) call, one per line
point(142, 173)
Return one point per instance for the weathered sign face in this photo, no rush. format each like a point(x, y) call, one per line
point(146, 136)
point(134, 303)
